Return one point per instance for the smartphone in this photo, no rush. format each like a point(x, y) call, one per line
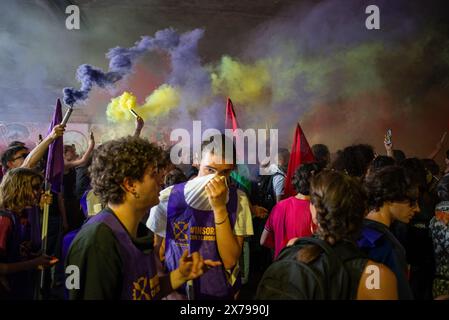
point(388, 137)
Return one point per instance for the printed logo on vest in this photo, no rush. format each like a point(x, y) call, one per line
point(180, 229)
point(146, 289)
point(202, 233)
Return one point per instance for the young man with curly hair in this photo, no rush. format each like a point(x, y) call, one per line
point(113, 250)
point(392, 196)
point(205, 214)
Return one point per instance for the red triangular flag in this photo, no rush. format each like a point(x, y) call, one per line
point(230, 120)
point(300, 153)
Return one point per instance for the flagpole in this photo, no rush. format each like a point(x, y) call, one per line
point(47, 188)
point(44, 237)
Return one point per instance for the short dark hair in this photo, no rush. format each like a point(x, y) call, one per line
point(218, 143)
point(173, 177)
point(302, 176)
point(354, 160)
point(389, 184)
point(380, 162)
point(443, 188)
point(321, 154)
point(9, 154)
point(115, 160)
point(67, 147)
point(16, 143)
point(284, 153)
point(398, 155)
point(432, 166)
point(416, 171)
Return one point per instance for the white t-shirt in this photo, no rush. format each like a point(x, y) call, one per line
point(196, 197)
point(278, 179)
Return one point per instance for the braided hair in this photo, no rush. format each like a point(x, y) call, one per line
point(340, 205)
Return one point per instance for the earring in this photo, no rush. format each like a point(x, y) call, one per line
point(136, 195)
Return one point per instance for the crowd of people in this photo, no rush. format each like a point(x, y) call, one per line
point(138, 227)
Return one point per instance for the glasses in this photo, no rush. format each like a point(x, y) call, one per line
point(21, 156)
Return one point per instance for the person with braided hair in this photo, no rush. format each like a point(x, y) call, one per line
point(338, 208)
point(330, 266)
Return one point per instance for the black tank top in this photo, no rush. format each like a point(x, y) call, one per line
point(69, 184)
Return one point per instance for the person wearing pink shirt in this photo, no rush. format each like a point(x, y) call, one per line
point(291, 218)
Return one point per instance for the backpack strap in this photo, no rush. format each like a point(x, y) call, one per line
point(311, 240)
point(344, 250)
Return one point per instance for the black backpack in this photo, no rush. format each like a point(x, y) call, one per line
point(334, 275)
point(263, 193)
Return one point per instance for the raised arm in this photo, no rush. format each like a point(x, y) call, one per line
point(83, 160)
point(388, 147)
point(229, 245)
point(438, 146)
point(38, 152)
point(139, 125)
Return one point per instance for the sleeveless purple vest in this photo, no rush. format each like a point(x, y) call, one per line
point(140, 281)
point(33, 215)
point(67, 241)
point(83, 203)
point(194, 230)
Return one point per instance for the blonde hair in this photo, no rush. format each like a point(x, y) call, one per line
point(16, 189)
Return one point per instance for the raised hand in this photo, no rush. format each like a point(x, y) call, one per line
point(139, 123)
point(46, 198)
point(217, 190)
point(57, 131)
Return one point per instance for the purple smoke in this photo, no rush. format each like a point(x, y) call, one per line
point(182, 50)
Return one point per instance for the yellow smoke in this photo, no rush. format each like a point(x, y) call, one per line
point(118, 108)
point(159, 103)
point(244, 83)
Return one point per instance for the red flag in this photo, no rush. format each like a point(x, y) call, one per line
point(300, 153)
point(242, 173)
point(230, 120)
point(55, 160)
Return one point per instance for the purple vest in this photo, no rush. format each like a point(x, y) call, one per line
point(83, 203)
point(192, 229)
point(140, 281)
point(35, 227)
point(67, 241)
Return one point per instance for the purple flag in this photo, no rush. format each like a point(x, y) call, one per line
point(55, 160)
